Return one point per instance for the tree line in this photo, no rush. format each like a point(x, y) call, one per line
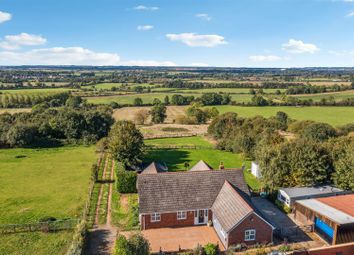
point(316, 153)
point(18, 100)
point(44, 126)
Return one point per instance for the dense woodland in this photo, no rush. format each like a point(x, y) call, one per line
point(76, 122)
point(316, 154)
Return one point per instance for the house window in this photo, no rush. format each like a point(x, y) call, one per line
point(181, 215)
point(155, 217)
point(206, 212)
point(250, 235)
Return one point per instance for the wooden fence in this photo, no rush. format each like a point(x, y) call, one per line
point(188, 147)
point(49, 226)
point(150, 137)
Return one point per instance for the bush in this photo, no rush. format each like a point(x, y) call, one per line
point(121, 247)
point(182, 119)
point(282, 207)
point(284, 248)
point(125, 180)
point(210, 249)
point(135, 245)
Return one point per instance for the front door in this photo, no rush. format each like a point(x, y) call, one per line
point(200, 216)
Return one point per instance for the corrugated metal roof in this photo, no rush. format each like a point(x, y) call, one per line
point(312, 191)
point(344, 203)
point(330, 212)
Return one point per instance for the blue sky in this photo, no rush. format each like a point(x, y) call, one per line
point(238, 33)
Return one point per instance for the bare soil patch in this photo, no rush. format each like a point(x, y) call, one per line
point(157, 130)
point(128, 113)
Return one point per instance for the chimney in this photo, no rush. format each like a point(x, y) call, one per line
point(221, 166)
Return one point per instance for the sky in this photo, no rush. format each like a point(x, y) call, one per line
point(224, 33)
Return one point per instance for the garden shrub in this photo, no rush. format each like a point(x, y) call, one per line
point(210, 249)
point(282, 207)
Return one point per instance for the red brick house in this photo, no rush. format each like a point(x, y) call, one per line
point(180, 199)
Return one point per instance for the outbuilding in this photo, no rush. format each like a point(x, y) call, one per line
point(288, 196)
point(332, 218)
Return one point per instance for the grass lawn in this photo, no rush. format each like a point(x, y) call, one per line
point(43, 182)
point(335, 116)
point(186, 141)
point(337, 96)
point(35, 243)
point(175, 158)
point(35, 183)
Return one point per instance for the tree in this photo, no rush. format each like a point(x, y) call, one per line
point(259, 101)
point(222, 124)
point(138, 101)
point(21, 135)
point(344, 169)
point(138, 245)
point(74, 101)
point(126, 143)
point(310, 163)
point(141, 116)
point(156, 101)
point(166, 100)
point(319, 131)
point(135, 245)
point(158, 113)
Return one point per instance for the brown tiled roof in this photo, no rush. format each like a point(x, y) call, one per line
point(201, 166)
point(230, 207)
point(169, 192)
point(154, 168)
point(344, 203)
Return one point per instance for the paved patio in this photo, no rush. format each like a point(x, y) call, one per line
point(171, 239)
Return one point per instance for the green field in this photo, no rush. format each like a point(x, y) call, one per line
point(337, 96)
point(228, 90)
point(148, 98)
point(335, 116)
point(37, 183)
point(34, 91)
point(109, 85)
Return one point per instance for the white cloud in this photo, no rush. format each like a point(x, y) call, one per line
point(12, 42)
point(146, 8)
point(147, 63)
point(145, 27)
point(4, 16)
point(203, 16)
point(298, 46)
point(351, 14)
point(58, 56)
point(264, 58)
point(196, 40)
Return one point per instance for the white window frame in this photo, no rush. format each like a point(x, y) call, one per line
point(181, 215)
point(250, 235)
point(155, 217)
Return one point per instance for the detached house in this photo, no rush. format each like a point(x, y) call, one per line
point(191, 198)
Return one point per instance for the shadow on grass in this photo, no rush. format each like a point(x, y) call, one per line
point(171, 157)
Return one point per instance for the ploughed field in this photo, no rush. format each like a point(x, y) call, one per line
point(37, 183)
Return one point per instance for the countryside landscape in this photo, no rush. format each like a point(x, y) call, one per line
point(218, 150)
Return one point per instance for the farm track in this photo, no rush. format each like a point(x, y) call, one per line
point(101, 239)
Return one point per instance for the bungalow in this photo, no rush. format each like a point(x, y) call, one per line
point(288, 196)
point(332, 218)
point(192, 198)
